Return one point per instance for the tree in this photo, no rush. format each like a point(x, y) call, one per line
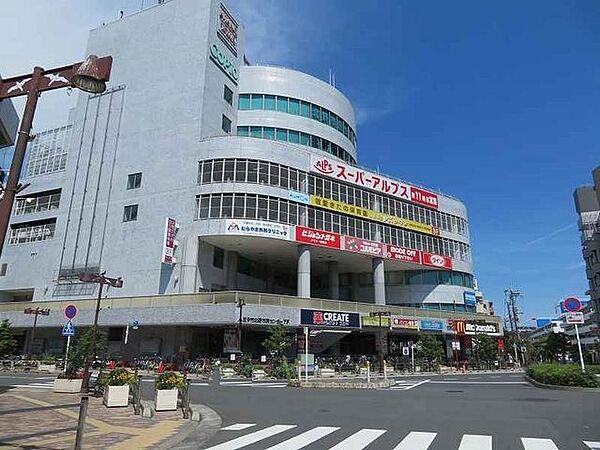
point(557, 345)
point(8, 343)
point(82, 348)
point(430, 348)
point(278, 342)
point(486, 347)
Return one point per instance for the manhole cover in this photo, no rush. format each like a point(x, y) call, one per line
point(454, 391)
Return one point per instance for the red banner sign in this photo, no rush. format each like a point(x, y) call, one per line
point(423, 197)
point(317, 237)
point(357, 245)
point(403, 254)
point(431, 259)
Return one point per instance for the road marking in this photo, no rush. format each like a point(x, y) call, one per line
point(274, 385)
point(200, 384)
point(234, 382)
point(251, 438)
point(35, 385)
point(418, 384)
point(479, 382)
point(474, 378)
point(359, 440)
point(238, 426)
point(538, 444)
point(416, 440)
point(592, 445)
point(475, 442)
point(304, 439)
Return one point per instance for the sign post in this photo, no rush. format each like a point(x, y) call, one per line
point(306, 353)
point(69, 331)
point(579, 347)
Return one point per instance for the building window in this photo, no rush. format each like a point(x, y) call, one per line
point(227, 94)
point(134, 180)
point(24, 233)
point(3, 268)
point(226, 124)
point(42, 201)
point(130, 213)
point(48, 151)
point(218, 257)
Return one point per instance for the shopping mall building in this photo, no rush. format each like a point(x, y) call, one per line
point(205, 181)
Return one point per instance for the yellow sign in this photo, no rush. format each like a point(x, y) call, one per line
point(368, 321)
point(364, 213)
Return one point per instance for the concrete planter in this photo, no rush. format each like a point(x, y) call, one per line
point(67, 386)
point(116, 396)
point(327, 373)
point(257, 374)
point(51, 368)
point(166, 399)
point(228, 372)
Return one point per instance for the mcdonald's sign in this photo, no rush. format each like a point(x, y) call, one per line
point(459, 326)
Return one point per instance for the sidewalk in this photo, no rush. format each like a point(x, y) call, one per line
point(41, 419)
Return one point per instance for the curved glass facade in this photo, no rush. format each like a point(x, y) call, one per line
point(296, 107)
point(296, 137)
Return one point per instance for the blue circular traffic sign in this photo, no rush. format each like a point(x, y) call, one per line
point(70, 311)
point(572, 304)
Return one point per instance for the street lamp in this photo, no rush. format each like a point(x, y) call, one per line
point(380, 314)
point(37, 312)
point(101, 279)
point(240, 304)
point(89, 76)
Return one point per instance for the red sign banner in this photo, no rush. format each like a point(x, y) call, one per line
point(403, 254)
point(364, 247)
point(317, 237)
point(431, 259)
point(423, 197)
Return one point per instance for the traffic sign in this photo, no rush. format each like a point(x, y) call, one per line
point(68, 329)
point(572, 304)
point(405, 351)
point(70, 312)
point(574, 318)
point(455, 345)
point(135, 324)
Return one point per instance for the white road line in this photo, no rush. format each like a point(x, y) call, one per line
point(269, 384)
point(538, 444)
point(416, 440)
point(251, 438)
point(238, 427)
point(359, 440)
point(200, 384)
point(304, 439)
point(479, 382)
point(34, 386)
point(592, 445)
point(418, 384)
point(474, 378)
point(475, 442)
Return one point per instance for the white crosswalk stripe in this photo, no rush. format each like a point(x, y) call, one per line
point(304, 439)
point(475, 442)
point(251, 438)
point(403, 385)
point(592, 445)
point(538, 444)
point(47, 385)
point(416, 440)
point(251, 384)
point(238, 426)
point(359, 440)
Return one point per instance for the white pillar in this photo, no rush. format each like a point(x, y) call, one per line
point(232, 267)
point(304, 271)
point(334, 280)
point(379, 281)
point(189, 265)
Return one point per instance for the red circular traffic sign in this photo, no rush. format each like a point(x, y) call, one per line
point(572, 304)
point(70, 311)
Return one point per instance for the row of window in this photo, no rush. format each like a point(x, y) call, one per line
point(253, 206)
point(298, 108)
point(36, 203)
point(414, 277)
point(48, 151)
point(273, 174)
point(23, 233)
point(296, 137)
point(441, 306)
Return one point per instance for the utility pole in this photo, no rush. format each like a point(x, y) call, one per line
point(240, 304)
point(380, 339)
point(37, 311)
point(510, 300)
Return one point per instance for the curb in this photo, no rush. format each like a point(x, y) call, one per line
point(560, 388)
point(196, 434)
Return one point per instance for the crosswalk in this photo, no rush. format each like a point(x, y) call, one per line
point(254, 434)
point(258, 384)
point(406, 385)
point(36, 384)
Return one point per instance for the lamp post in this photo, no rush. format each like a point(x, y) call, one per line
point(380, 314)
point(101, 279)
point(240, 304)
point(89, 76)
point(37, 312)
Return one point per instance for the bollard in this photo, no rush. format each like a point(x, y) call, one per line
point(384, 371)
point(185, 399)
point(368, 372)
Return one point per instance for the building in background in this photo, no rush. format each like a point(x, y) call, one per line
point(206, 182)
point(9, 122)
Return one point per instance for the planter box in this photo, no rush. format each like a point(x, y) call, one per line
point(116, 396)
point(166, 399)
point(47, 368)
point(66, 386)
point(228, 372)
point(258, 374)
point(327, 373)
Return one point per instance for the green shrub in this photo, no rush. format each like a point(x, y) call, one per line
point(593, 368)
point(282, 370)
point(169, 380)
point(562, 375)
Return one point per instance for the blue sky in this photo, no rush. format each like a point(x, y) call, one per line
point(495, 103)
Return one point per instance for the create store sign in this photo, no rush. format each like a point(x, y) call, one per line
point(333, 319)
point(350, 174)
point(317, 237)
point(257, 228)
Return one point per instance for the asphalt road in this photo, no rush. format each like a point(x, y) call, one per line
point(418, 413)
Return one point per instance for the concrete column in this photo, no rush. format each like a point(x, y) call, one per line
point(232, 266)
point(189, 265)
point(334, 280)
point(304, 271)
point(379, 281)
point(270, 282)
point(355, 288)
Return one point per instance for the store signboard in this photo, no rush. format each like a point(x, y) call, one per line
point(356, 245)
point(317, 237)
point(403, 254)
point(227, 28)
point(223, 61)
point(299, 197)
point(431, 325)
point(257, 228)
point(169, 242)
point(404, 323)
point(470, 299)
point(329, 319)
point(370, 321)
point(481, 327)
point(353, 175)
point(265, 321)
point(434, 260)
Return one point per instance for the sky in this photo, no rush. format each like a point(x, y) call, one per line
point(495, 103)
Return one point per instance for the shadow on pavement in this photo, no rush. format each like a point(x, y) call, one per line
point(39, 408)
